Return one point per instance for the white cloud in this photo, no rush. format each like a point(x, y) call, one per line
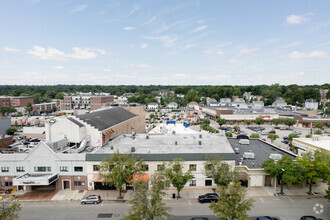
point(150, 21)
point(217, 51)
point(293, 44)
point(200, 28)
point(107, 70)
point(314, 54)
point(232, 61)
point(143, 46)
point(79, 8)
point(168, 41)
point(58, 67)
point(128, 28)
point(248, 50)
point(141, 66)
point(297, 19)
point(10, 49)
point(55, 54)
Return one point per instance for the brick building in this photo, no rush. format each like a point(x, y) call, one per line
point(21, 101)
point(87, 101)
point(4, 101)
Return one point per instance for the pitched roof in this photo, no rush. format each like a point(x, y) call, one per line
point(104, 119)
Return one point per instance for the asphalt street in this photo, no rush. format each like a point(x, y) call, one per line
point(286, 208)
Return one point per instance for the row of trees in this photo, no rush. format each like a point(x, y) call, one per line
point(293, 94)
point(145, 204)
point(311, 167)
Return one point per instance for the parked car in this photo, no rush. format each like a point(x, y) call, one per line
point(272, 131)
point(199, 218)
point(286, 141)
point(208, 197)
point(265, 218)
point(309, 217)
point(282, 128)
point(286, 138)
point(264, 132)
point(297, 132)
point(92, 199)
point(236, 149)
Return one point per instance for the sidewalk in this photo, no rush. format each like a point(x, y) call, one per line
point(69, 195)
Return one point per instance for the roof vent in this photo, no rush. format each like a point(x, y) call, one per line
point(248, 155)
point(175, 142)
point(199, 142)
point(132, 149)
point(111, 147)
point(147, 136)
point(275, 156)
point(200, 136)
point(173, 132)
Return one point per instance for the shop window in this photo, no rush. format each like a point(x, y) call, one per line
point(79, 183)
point(208, 182)
point(192, 182)
point(96, 168)
point(20, 169)
point(64, 169)
point(42, 169)
point(5, 169)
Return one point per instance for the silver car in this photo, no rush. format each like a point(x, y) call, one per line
point(92, 199)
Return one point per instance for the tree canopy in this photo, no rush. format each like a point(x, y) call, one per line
point(219, 171)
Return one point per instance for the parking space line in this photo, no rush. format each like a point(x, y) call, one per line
point(189, 202)
point(261, 200)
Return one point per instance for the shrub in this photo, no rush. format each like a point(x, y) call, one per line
point(229, 134)
point(255, 135)
point(319, 132)
point(308, 135)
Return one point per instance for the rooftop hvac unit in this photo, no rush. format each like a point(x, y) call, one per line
point(275, 156)
point(147, 136)
point(200, 136)
point(244, 141)
point(248, 155)
point(132, 149)
point(111, 147)
point(176, 143)
point(199, 142)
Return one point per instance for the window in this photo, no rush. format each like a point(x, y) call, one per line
point(78, 169)
point(6, 184)
point(145, 167)
point(160, 167)
point(208, 182)
point(79, 183)
point(192, 182)
point(96, 168)
point(5, 169)
point(64, 169)
point(42, 169)
point(192, 167)
point(20, 169)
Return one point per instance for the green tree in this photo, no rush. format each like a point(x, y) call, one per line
point(327, 195)
point(259, 121)
point(293, 136)
point(119, 169)
point(219, 171)
point(11, 131)
point(59, 95)
point(174, 173)
point(276, 121)
point(9, 209)
point(316, 166)
point(229, 134)
point(148, 204)
point(248, 123)
point(236, 128)
point(255, 135)
point(285, 169)
point(319, 125)
point(6, 110)
point(318, 132)
point(289, 122)
point(272, 136)
point(232, 203)
point(221, 121)
point(29, 108)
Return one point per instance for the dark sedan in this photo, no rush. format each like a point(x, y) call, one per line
point(208, 197)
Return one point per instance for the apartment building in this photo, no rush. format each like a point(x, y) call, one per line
point(4, 101)
point(88, 101)
point(21, 101)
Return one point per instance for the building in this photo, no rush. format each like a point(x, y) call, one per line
point(279, 103)
point(4, 101)
point(249, 157)
point(248, 96)
point(311, 144)
point(311, 104)
point(152, 106)
point(214, 104)
point(21, 101)
point(239, 103)
point(172, 105)
point(257, 104)
point(43, 168)
point(164, 92)
point(210, 100)
point(89, 101)
point(323, 93)
point(155, 149)
point(45, 107)
point(100, 126)
point(225, 102)
point(5, 124)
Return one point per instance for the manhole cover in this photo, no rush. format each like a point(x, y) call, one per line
point(104, 215)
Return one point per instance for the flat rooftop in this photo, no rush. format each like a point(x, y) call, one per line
point(262, 150)
point(156, 147)
point(322, 142)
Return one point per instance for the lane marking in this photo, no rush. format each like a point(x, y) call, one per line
point(262, 200)
point(291, 200)
point(189, 202)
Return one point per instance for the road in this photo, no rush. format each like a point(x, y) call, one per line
point(286, 208)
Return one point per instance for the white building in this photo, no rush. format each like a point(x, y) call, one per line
point(280, 103)
point(311, 104)
point(172, 105)
point(239, 103)
point(152, 106)
point(257, 104)
point(214, 104)
point(311, 144)
point(225, 102)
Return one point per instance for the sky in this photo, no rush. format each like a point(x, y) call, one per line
point(164, 42)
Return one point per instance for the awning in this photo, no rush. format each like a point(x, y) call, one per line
point(108, 132)
point(35, 180)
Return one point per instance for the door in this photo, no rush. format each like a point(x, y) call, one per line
point(66, 184)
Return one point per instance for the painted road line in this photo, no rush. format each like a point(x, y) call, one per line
point(261, 200)
point(291, 200)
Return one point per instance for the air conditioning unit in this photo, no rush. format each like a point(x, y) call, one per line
point(248, 155)
point(275, 156)
point(244, 141)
